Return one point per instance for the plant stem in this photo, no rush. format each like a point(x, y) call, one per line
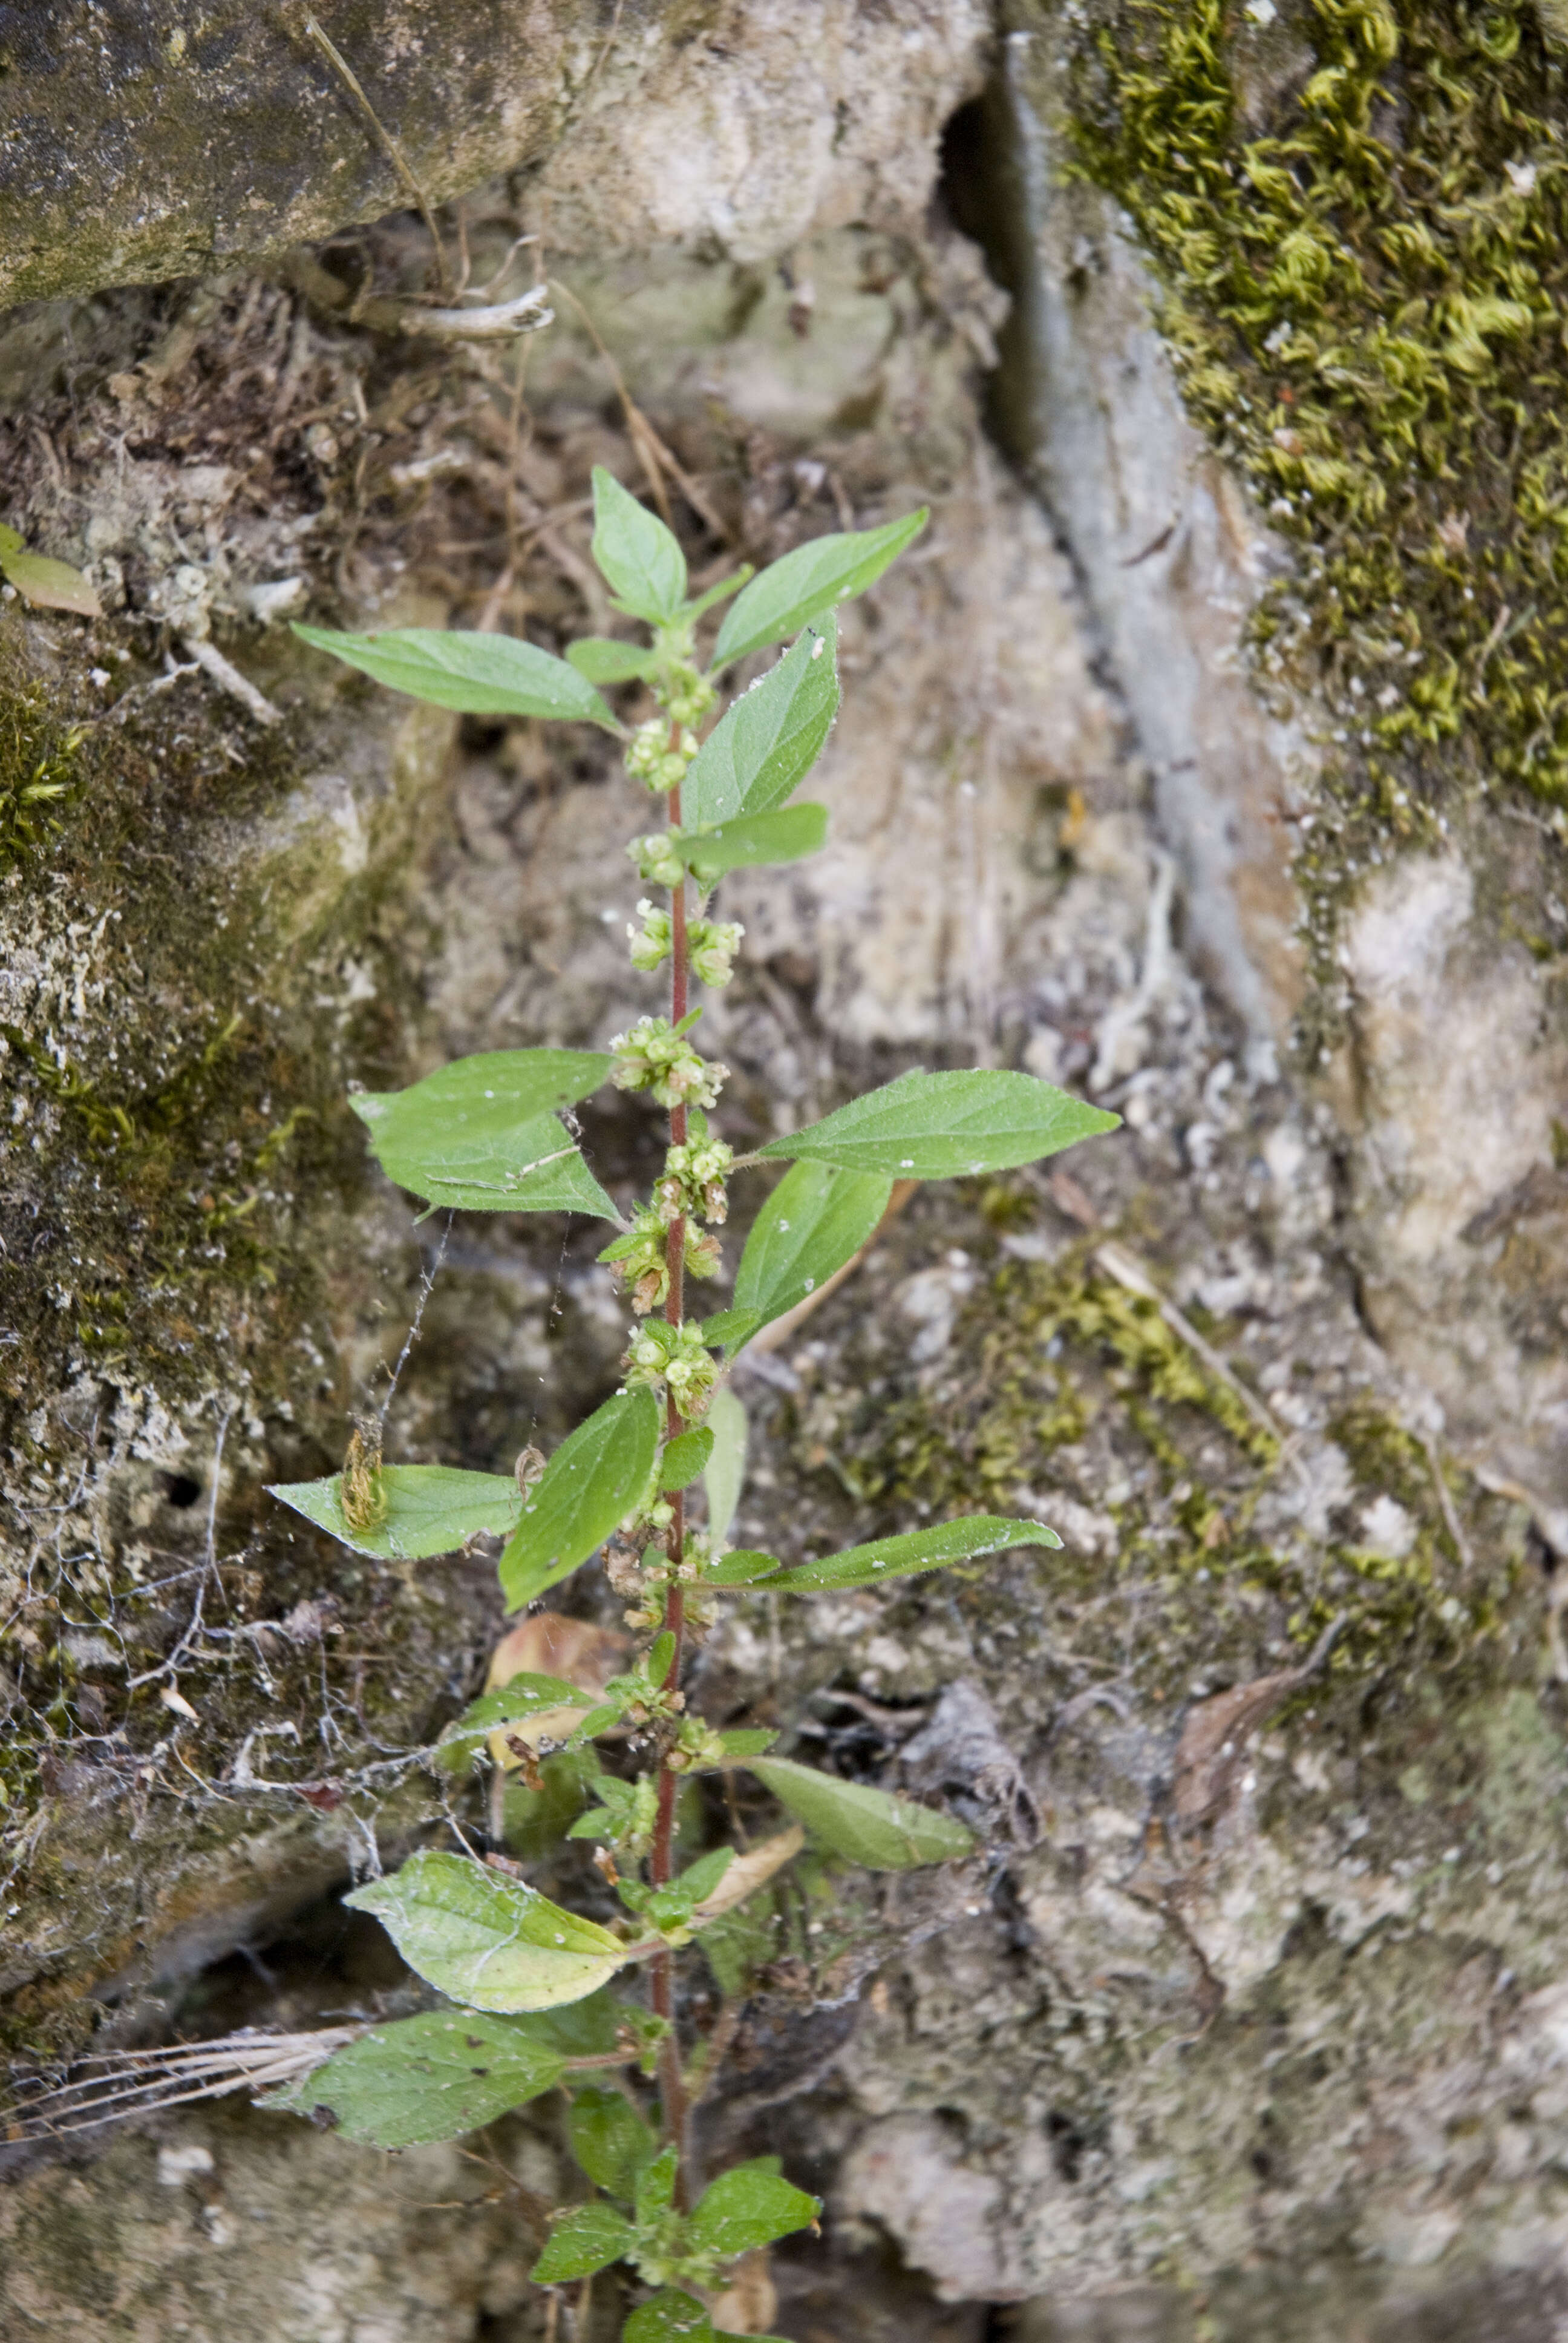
point(661, 1981)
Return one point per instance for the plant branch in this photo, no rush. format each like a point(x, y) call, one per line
point(671, 2078)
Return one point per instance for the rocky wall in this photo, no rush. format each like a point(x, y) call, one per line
point(1249, 2020)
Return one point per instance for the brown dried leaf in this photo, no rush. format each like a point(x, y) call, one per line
point(1214, 1739)
point(550, 1645)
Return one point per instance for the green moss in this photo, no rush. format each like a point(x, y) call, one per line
point(1059, 1357)
point(39, 772)
point(1364, 260)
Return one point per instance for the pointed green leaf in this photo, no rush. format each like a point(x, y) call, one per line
point(745, 2208)
point(816, 1220)
point(671, 2318)
point(49, 585)
point(481, 1134)
point(585, 2239)
point(720, 592)
point(595, 1477)
point(477, 675)
point(430, 1508)
point(947, 1126)
point(724, 1474)
point(966, 1539)
point(428, 2078)
point(656, 2188)
point(524, 1696)
point(729, 1326)
point(752, 839)
point(809, 581)
point(884, 1833)
point(611, 2141)
point(637, 556)
point(484, 1939)
point(603, 661)
point(743, 1568)
point(685, 1457)
point(770, 737)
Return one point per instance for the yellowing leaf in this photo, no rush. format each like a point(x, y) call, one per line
point(487, 1940)
point(50, 585)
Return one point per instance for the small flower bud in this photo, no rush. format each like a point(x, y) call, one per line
point(658, 863)
point(711, 946)
point(654, 941)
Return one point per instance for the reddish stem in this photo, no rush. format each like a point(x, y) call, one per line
point(661, 1979)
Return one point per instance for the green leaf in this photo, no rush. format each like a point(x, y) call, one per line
point(947, 1126)
point(585, 2239)
point(487, 1940)
point(770, 737)
point(603, 661)
point(729, 1326)
point(743, 1568)
point(739, 1746)
point(49, 585)
point(724, 1474)
point(902, 1557)
point(671, 2318)
point(816, 1220)
point(581, 2029)
point(611, 2141)
point(809, 581)
point(430, 1508)
point(524, 1696)
point(656, 2188)
point(884, 1833)
point(481, 1134)
point(685, 1457)
point(477, 675)
point(428, 2078)
point(750, 839)
point(641, 559)
point(595, 1477)
point(721, 592)
point(745, 2208)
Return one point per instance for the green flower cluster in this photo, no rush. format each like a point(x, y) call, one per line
point(677, 1357)
point(693, 1179)
point(641, 1257)
point(656, 759)
point(655, 1056)
point(710, 947)
point(658, 864)
point(687, 695)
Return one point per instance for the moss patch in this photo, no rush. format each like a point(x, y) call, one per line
point(1065, 1385)
point(1360, 218)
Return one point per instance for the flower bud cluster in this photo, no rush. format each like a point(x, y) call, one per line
point(656, 939)
point(677, 1357)
point(711, 946)
point(641, 1258)
point(657, 862)
point(641, 1579)
point(696, 1744)
point(686, 694)
point(655, 759)
point(693, 1180)
point(654, 1057)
